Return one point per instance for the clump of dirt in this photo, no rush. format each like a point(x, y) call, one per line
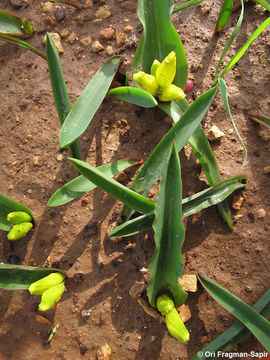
point(97, 317)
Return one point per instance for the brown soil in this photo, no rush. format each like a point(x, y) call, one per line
point(97, 308)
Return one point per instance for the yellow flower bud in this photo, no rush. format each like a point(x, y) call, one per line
point(18, 217)
point(171, 92)
point(51, 296)
point(166, 71)
point(154, 67)
point(165, 304)
point(19, 230)
point(176, 327)
point(38, 287)
point(147, 82)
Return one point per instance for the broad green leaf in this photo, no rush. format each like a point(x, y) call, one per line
point(112, 187)
point(13, 25)
point(234, 334)
point(230, 40)
point(88, 103)
point(80, 185)
point(185, 5)
point(224, 14)
point(8, 205)
point(243, 49)
point(190, 205)
point(264, 3)
point(166, 265)
point(180, 133)
point(263, 120)
point(59, 89)
point(159, 39)
point(19, 277)
point(134, 96)
point(256, 323)
point(224, 97)
point(22, 44)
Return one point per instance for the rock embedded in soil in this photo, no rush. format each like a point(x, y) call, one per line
point(104, 352)
point(266, 169)
point(120, 38)
point(109, 50)
point(88, 4)
point(214, 133)
point(86, 41)
point(189, 282)
point(57, 41)
point(72, 38)
point(16, 4)
point(129, 5)
point(261, 213)
point(103, 12)
point(47, 7)
point(107, 33)
point(184, 312)
point(97, 47)
point(59, 14)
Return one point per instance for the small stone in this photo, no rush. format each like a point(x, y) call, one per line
point(97, 47)
point(261, 213)
point(184, 312)
point(238, 202)
point(16, 4)
point(50, 21)
point(59, 14)
point(109, 50)
point(86, 41)
point(128, 29)
point(248, 289)
point(189, 282)
point(107, 33)
point(83, 349)
point(57, 41)
point(86, 313)
point(120, 38)
point(104, 353)
point(64, 33)
point(264, 135)
point(10, 187)
point(266, 169)
point(88, 4)
point(72, 38)
point(205, 9)
point(47, 7)
point(129, 5)
point(214, 133)
point(59, 157)
point(36, 160)
point(103, 12)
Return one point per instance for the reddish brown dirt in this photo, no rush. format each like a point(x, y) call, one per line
point(74, 237)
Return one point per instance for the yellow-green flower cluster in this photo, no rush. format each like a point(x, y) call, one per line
point(50, 288)
point(22, 223)
point(159, 82)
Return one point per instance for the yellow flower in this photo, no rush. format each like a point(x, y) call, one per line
point(159, 83)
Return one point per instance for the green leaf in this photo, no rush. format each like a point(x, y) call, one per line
point(166, 265)
point(230, 40)
point(243, 49)
point(234, 334)
point(112, 187)
point(224, 97)
point(190, 205)
point(180, 133)
point(22, 44)
point(19, 277)
point(88, 103)
point(202, 150)
point(159, 39)
point(224, 14)
point(256, 323)
point(263, 120)
point(7, 206)
point(185, 5)
point(14, 25)
point(59, 88)
point(134, 96)
point(80, 185)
